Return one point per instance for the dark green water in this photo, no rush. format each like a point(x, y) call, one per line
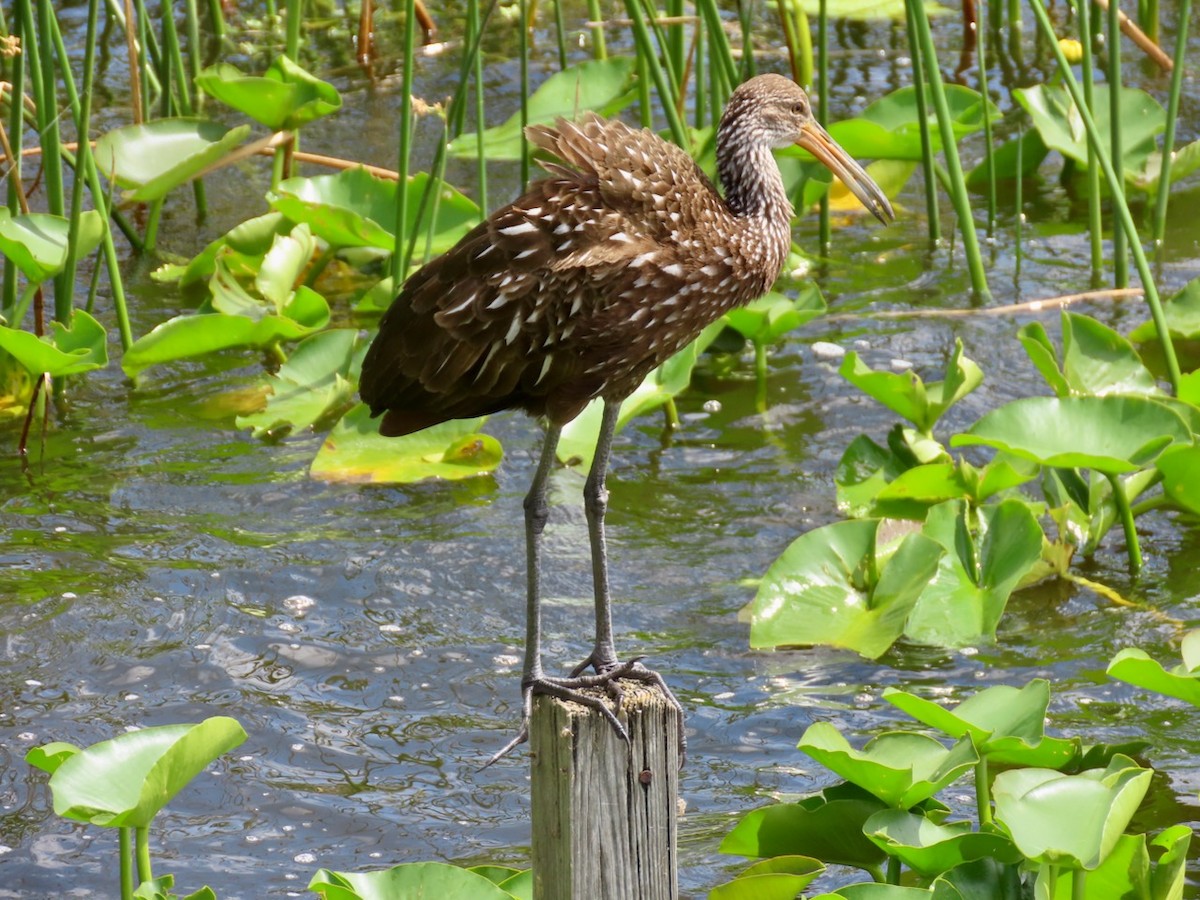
point(160, 566)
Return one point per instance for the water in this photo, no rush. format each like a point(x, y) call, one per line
point(161, 566)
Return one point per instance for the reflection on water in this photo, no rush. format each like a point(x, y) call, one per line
point(162, 567)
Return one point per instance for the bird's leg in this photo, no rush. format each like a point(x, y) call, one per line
point(603, 658)
point(533, 678)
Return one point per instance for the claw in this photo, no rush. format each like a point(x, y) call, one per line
point(572, 689)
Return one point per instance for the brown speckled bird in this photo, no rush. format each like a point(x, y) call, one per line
point(579, 289)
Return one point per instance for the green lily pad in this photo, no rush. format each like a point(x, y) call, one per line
point(827, 827)
point(1058, 122)
point(48, 757)
point(1134, 666)
point(930, 848)
point(125, 781)
point(1007, 724)
point(1184, 161)
point(1096, 360)
point(150, 159)
point(356, 451)
point(829, 587)
point(65, 351)
point(1069, 820)
point(601, 85)
point(869, 890)
point(905, 394)
point(160, 889)
point(355, 209)
point(314, 385)
point(780, 878)
point(1112, 434)
point(37, 242)
point(863, 472)
point(773, 315)
point(1182, 312)
point(900, 768)
point(283, 98)
point(1180, 468)
point(963, 602)
point(577, 444)
point(409, 880)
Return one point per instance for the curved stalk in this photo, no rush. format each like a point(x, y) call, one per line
point(125, 852)
point(1164, 181)
point(1121, 499)
point(143, 854)
point(983, 792)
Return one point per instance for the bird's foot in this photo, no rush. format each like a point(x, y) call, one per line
point(575, 688)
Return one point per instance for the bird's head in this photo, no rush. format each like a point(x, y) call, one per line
point(773, 111)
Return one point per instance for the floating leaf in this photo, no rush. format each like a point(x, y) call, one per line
point(409, 880)
point(600, 85)
point(773, 315)
point(1113, 434)
point(1095, 360)
point(37, 242)
point(283, 98)
point(1071, 820)
point(1007, 724)
point(930, 848)
point(827, 827)
point(1134, 666)
point(963, 602)
point(49, 757)
point(900, 768)
point(779, 878)
point(1179, 467)
point(864, 470)
point(152, 158)
point(313, 385)
point(356, 451)
point(830, 587)
point(1182, 312)
point(355, 209)
point(125, 781)
point(66, 351)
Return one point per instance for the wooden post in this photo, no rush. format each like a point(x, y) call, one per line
point(605, 813)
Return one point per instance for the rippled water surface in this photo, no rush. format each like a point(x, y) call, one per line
point(160, 566)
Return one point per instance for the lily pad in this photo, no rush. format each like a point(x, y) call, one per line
point(152, 158)
point(601, 85)
point(1095, 359)
point(426, 879)
point(125, 781)
point(773, 315)
point(1180, 467)
point(930, 848)
point(283, 98)
point(1007, 724)
point(1069, 820)
point(830, 587)
point(779, 878)
point(355, 209)
point(37, 242)
point(1134, 666)
point(1182, 312)
point(900, 768)
point(66, 351)
point(356, 451)
point(1113, 434)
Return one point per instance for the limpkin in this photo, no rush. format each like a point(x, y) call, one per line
point(579, 289)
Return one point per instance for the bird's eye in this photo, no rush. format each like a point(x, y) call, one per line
point(798, 108)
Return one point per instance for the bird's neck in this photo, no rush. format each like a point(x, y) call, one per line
point(753, 185)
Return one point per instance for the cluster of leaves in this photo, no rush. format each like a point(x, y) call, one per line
point(936, 544)
point(1052, 813)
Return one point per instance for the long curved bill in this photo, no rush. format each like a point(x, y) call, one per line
point(816, 140)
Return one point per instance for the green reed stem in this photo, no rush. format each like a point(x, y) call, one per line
point(1121, 502)
point(1168, 151)
point(82, 113)
point(125, 851)
point(192, 21)
point(1019, 221)
point(804, 46)
point(962, 202)
point(523, 50)
point(662, 84)
point(1095, 218)
point(675, 45)
point(600, 47)
point(16, 132)
point(295, 18)
point(473, 32)
point(720, 55)
point(174, 65)
point(824, 227)
point(989, 159)
point(932, 213)
point(700, 78)
point(645, 101)
point(142, 841)
point(216, 19)
point(560, 33)
point(983, 792)
point(399, 257)
point(1120, 250)
point(45, 88)
point(1120, 207)
point(746, 19)
point(1078, 884)
point(660, 38)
